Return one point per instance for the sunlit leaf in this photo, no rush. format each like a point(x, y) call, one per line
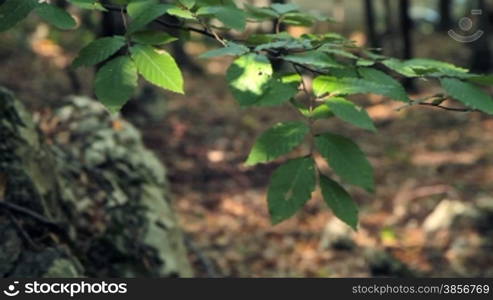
point(158, 67)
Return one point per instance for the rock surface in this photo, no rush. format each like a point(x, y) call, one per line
point(87, 200)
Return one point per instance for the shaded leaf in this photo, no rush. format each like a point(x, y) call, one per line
point(115, 82)
point(153, 37)
point(482, 79)
point(55, 16)
point(232, 49)
point(472, 96)
point(282, 8)
point(99, 50)
point(277, 92)
point(147, 14)
point(88, 4)
point(348, 86)
point(14, 11)
point(346, 159)
point(425, 67)
point(350, 113)
point(277, 141)
point(188, 3)
point(395, 90)
point(180, 12)
point(339, 201)
point(291, 186)
point(314, 58)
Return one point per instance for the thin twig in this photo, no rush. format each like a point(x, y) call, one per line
point(457, 109)
point(32, 214)
point(209, 32)
point(438, 105)
point(23, 233)
point(163, 22)
point(311, 107)
point(208, 265)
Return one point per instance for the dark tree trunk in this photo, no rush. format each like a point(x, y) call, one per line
point(373, 38)
point(482, 60)
point(406, 29)
point(444, 8)
point(389, 36)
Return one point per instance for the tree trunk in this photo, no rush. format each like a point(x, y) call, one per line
point(482, 60)
point(373, 39)
point(407, 41)
point(444, 8)
point(85, 200)
point(406, 29)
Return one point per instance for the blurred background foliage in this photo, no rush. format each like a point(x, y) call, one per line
point(432, 214)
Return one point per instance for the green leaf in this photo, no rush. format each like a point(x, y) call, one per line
point(260, 13)
point(147, 14)
point(99, 50)
point(339, 201)
point(188, 3)
point(232, 49)
point(291, 186)
point(482, 79)
point(115, 82)
point(14, 11)
point(88, 4)
point(158, 67)
point(283, 8)
point(322, 111)
point(395, 90)
point(328, 48)
point(277, 92)
point(346, 159)
point(248, 77)
point(470, 95)
point(425, 67)
point(351, 113)
point(231, 17)
point(56, 16)
point(152, 37)
point(364, 63)
point(298, 19)
point(181, 13)
point(285, 44)
point(314, 58)
point(137, 7)
point(349, 86)
point(277, 141)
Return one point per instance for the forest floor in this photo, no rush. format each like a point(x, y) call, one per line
point(422, 158)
